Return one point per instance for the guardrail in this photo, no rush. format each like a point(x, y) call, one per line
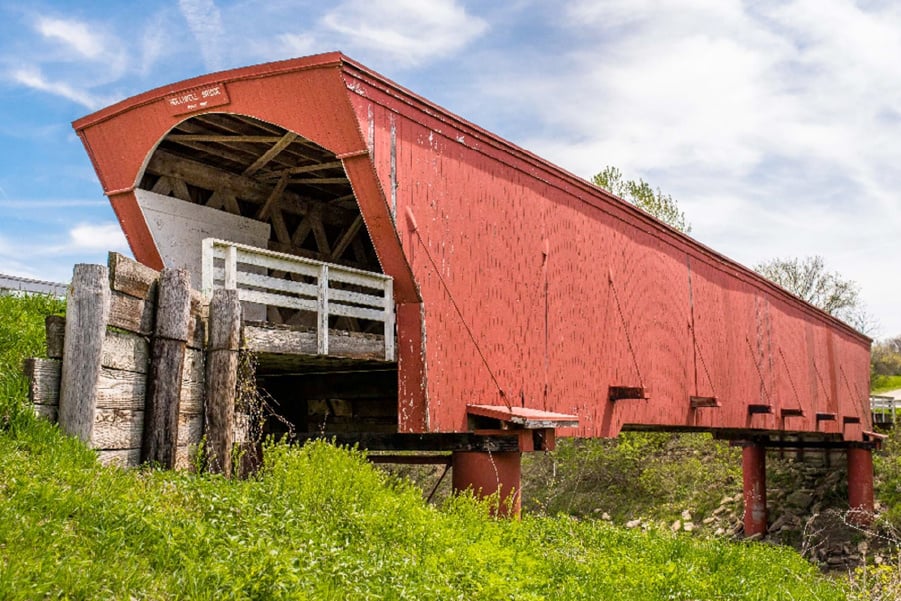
point(325, 289)
point(18, 285)
point(884, 409)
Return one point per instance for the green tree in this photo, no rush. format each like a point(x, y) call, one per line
point(660, 205)
point(812, 281)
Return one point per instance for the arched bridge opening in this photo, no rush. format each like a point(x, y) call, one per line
point(223, 187)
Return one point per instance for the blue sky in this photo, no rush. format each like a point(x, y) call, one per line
point(776, 125)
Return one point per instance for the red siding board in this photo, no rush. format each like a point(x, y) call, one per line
point(536, 288)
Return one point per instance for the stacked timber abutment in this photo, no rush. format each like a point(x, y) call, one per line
point(127, 369)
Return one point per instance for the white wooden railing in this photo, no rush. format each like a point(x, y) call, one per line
point(246, 269)
point(884, 408)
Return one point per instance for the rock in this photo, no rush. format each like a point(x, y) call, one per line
point(633, 523)
point(606, 516)
point(708, 521)
point(802, 499)
point(725, 500)
point(677, 525)
point(686, 515)
point(688, 526)
point(719, 532)
point(755, 536)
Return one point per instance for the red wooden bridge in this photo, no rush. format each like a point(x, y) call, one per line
point(528, 303)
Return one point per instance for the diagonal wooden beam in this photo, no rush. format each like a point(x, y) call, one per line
point(347, 237)
point(319, 233)
point(300, 234)
point(162, 186)
point(270, 154)
point(278, 224)
point(303, 169)
point(273, 198)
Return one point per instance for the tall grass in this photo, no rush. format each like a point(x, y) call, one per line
point(21, 336)
point(321, 523)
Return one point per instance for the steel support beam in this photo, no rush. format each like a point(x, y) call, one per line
point(489, 473)
point(860, 485)
point(753, 464)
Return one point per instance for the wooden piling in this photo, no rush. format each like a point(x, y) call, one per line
point(222, 373)
point(87, 313)
point(167, 360)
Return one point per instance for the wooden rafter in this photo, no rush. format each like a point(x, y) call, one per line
point(270, 154)
point(246, 188)
point(222, 138)
point(321, 180)
point(303, 169)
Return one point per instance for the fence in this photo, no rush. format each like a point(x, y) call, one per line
point(884, 409)
point(325, 289)
point(18, 285)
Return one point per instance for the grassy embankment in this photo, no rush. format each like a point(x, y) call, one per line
point(317, 523)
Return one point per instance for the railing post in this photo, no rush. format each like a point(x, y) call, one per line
point(231, 267)
point(322, 312)
point(389, 320)
point(207, 265)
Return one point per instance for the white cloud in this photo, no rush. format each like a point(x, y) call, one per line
point(96, 236)
point(74, 34)
point(410, 32)
point(33, 78)
point(205, 22)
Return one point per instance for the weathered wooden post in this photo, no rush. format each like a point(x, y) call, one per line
point(222, 374)
point(166, 366)
point(87, 313)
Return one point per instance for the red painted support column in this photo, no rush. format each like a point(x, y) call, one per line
point(753, 465)
point(860, 485)
point(487, 473)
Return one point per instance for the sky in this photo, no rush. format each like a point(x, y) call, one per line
point(776, 125)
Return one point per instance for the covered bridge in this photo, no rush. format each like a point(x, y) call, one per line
point(522, 302)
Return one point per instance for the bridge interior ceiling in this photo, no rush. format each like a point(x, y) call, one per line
point(258, 170)
point(254, 169)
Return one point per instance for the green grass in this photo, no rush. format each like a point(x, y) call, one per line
point(885, 383)
point(320, 523)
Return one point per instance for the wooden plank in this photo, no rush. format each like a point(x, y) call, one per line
point(192, 382)
point(132, 278)
point(259, 280)
point(125, 351)
point(358, 312)
point(222, 372)
point(120, 389)
point(87, 314)
point(117, 429)
point(131, 314)
point(304, 342)
point(190, 428)
point(319, 181)
point(120, 458)
point(55, 329)
point(464, 441)
point(357, 298)
point(524, 416)
point(277, 300)
point(322, 310)
point(43, 380)
point(48, 412)
point(164, 381)
point(270, 154)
